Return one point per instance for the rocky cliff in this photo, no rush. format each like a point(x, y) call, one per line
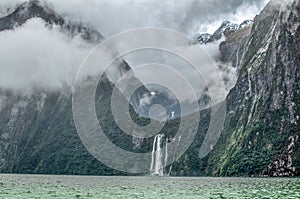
point(261, 131)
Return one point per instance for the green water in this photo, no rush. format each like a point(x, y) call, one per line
point(41, 186)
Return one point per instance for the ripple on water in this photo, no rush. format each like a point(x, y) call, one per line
point(34, 186)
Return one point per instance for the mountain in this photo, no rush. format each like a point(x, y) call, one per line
point(260, 136)
point(226, 29)
point(45, 11)
point(35, 8)
point(36, 125)
point(261, 131)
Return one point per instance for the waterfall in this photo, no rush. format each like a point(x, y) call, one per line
point(153, 155)
point(157, 166)
point(158, 157)
point(166, 154)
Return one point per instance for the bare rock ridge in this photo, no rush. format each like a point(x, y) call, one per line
point(225, 30)
point(36, 8)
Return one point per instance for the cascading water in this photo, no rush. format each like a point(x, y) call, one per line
point(166, 154)
point(157, 166)
point(158, 157)
point(159, 160)
point(153, 155)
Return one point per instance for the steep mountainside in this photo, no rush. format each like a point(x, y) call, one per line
point(261, 132)
point(34, 126)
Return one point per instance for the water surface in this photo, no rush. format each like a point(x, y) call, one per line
point(44, 186)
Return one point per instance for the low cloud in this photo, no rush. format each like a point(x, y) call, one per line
point(189, 16)
point(199, 78)
point(34, 56)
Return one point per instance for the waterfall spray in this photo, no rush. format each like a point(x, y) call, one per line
point(166, 154)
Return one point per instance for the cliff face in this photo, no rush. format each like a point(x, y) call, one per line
point(38, 134)
point(234, 47)
point(261, 131)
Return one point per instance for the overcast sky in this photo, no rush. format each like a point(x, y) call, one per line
point(187, 16)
